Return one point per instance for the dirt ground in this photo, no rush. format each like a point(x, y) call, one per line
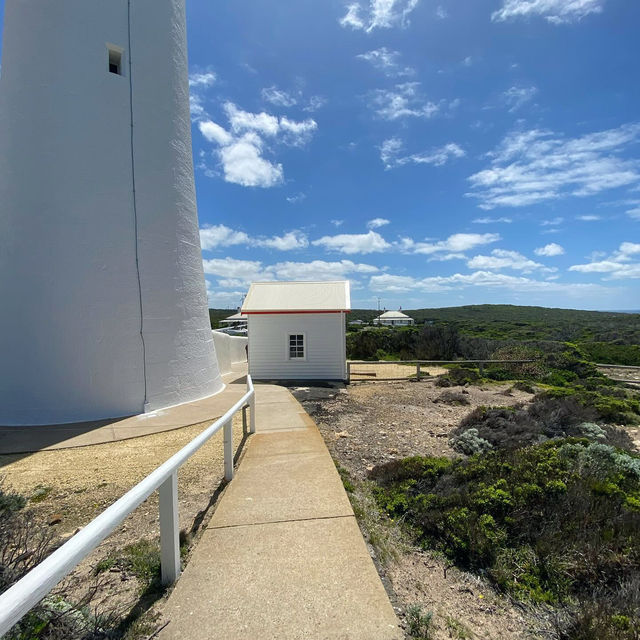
point(367, 424)
point(69, 487)
point(397, 371)
point(622, 373)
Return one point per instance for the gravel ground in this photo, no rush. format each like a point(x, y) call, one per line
point(367, 424)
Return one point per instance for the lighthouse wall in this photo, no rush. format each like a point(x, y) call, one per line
point(104, 309)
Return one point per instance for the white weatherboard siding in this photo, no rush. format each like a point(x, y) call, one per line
point(324, 346)
point(76, 281)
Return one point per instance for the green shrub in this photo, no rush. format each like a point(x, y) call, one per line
point(458, 376)
point(553, 522)
point(418, 623)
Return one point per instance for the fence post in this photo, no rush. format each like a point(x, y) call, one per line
point(228, 450)
point(348, 372)
point(481, 368)
point(169, 529)
point(252, 413)
point(418, 371)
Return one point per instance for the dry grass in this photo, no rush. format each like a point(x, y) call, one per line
point(376, 371)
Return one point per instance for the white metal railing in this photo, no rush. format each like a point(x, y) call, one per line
point(16, 601)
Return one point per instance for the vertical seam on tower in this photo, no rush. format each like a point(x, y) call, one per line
point(135, 210)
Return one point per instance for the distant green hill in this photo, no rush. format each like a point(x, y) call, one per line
point(604, 336)
point(510, 322)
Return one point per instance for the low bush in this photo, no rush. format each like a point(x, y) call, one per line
point(458, 376)
point(557, 522)
point(453, 398)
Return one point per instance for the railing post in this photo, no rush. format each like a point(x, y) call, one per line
point(244, 419)
point(228, 450)
point(252, 413)
point(481, 368)
point(169, 529)
point(348, 372)
point(418, 371)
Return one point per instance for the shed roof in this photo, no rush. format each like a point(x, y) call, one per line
point(292, 297)
point(236, 317)
point(393, 315)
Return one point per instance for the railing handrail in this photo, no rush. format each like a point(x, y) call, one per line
point(16, 601)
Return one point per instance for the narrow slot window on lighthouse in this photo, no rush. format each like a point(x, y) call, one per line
point(115, 61)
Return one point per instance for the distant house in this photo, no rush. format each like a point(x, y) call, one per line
point(297, 330)
point(236, 321)
point(357, 323)
point(394, 319)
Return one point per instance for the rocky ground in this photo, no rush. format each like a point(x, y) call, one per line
point(367, 424)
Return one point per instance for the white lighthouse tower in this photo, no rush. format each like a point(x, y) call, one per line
point(103, 307)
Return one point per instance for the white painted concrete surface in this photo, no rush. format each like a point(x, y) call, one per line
point(104, 308)
point(229, 350)
point(325, 349)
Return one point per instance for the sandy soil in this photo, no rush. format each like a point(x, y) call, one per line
point(374, 372)
point(368, 424)
point(621, 373)
point(80, 483)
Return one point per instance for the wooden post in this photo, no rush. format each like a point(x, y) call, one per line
point(418, 371)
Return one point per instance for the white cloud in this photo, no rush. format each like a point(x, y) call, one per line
point(404, 101)
point(206, 79)
point(337, 223)
point(213, 236)
point(588, 218)
point(215, 133)
point(243, 163)
point(456, 243)
point(376, 223)
point(287, 242)
point(487, 220)
point(391, 149)
point(485, 279)
point(623, 263)
point(297, 198)
point(387, 61)
point(278, 97)
point(378, 14)
point(516, 97)
point(504, 259)
point(233, 273)
point(554, 222)
point(281, 98)
point(536, 166)
point(242, 148)
point(350, 243)
point(441, 13)
point(549, 250)
point(634, 214)
point(554, 11)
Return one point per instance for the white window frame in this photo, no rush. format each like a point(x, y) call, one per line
point(304, 345)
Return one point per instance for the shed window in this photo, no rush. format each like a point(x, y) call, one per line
point(115, 60)
point(296, 346)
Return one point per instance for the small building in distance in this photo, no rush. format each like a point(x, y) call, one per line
point(394, 319)
point(297, 330)
point(236, 322)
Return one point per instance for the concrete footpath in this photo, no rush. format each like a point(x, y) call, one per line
point(283, 556)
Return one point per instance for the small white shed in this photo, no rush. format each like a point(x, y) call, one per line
point(297, 330)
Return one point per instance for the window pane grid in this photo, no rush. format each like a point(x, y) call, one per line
point(296, 346)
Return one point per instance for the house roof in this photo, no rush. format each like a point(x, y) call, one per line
point(393, 315)
point(236, 317)
point(296, 297)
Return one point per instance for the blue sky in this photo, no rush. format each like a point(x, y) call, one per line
point(434, 153)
